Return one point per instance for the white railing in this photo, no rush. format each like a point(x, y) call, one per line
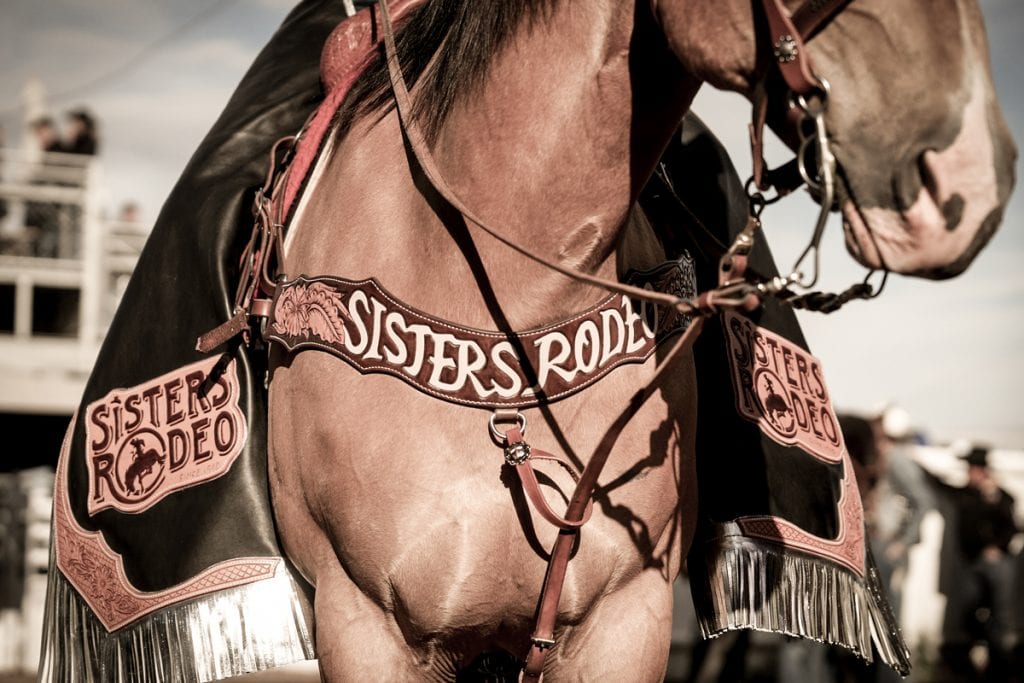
point(53, 235)
point(56, 248)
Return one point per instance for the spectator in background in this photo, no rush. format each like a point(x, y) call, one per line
point(896, 505)
point(980, 606)
point(80, 138)
point(46, 134)
point(129, 212)
point(42, 218)
point(899, 502)
point(80, 135)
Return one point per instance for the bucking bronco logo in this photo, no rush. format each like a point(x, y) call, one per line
point(175, 431)
point(140, 477)
point(774, 405)
point(781, 387)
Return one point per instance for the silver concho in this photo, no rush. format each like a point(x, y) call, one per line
point(517, 453)
point(785, 49)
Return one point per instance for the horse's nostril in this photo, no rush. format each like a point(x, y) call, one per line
point(953, 211)
point(908, 181)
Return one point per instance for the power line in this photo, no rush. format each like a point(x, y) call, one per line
point(146, 52)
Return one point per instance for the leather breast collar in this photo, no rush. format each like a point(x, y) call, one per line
point(374, 332)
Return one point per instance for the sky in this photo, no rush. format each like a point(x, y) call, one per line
point(157, 73)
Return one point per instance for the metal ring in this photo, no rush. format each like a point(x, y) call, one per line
point(812, 181)
point(499, 435)
point(801, 101)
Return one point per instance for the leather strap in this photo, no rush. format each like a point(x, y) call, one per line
point(732, 267)
point(528, 477)
point(346, 55)
point(581, 501)
point(788, 48)
point(811, 16)
point(788, 37)
point(259, 261)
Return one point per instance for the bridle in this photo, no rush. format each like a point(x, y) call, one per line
point(815, 165)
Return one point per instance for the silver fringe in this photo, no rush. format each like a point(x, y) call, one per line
point(751, 584)
point(258, 626)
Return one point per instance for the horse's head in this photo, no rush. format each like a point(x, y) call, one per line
point(925, 157)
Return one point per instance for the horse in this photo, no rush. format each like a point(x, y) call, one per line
point(548, 117)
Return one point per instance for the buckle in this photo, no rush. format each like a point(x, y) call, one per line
point(542, 643)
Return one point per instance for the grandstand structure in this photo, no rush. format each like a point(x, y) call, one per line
point(63, 268)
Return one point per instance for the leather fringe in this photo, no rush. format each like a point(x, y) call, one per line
point(746, 583)
point(255, 627)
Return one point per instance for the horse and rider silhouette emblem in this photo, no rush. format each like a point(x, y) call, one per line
point(139, 477)
point(774, 404)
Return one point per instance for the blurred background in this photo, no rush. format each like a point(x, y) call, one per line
point(101, 105)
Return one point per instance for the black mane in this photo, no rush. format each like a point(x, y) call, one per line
point(465, 35)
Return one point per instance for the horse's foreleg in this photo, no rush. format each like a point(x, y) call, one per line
point(626, 637)
point(356, 640)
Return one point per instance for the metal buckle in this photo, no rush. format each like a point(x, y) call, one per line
point(542, 643)
point(515, 453)
point(499, 435)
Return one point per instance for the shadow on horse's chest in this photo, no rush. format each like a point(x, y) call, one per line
point(421, 510)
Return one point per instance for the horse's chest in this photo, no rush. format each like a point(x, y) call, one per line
point(465, 552)
point(421, 510)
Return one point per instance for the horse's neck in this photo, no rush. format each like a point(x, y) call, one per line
point(552, 151)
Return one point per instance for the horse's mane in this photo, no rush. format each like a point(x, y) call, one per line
point(465, 35)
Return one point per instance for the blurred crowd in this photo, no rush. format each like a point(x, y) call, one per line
point(980, 568)
point(79, 135)
point(981, 572)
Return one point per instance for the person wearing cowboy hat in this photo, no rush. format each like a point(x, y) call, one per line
point(983, 603)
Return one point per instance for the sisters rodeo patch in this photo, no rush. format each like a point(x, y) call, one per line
point(781, 387)
point(172, 432)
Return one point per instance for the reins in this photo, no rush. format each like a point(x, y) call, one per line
point(410, 128)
